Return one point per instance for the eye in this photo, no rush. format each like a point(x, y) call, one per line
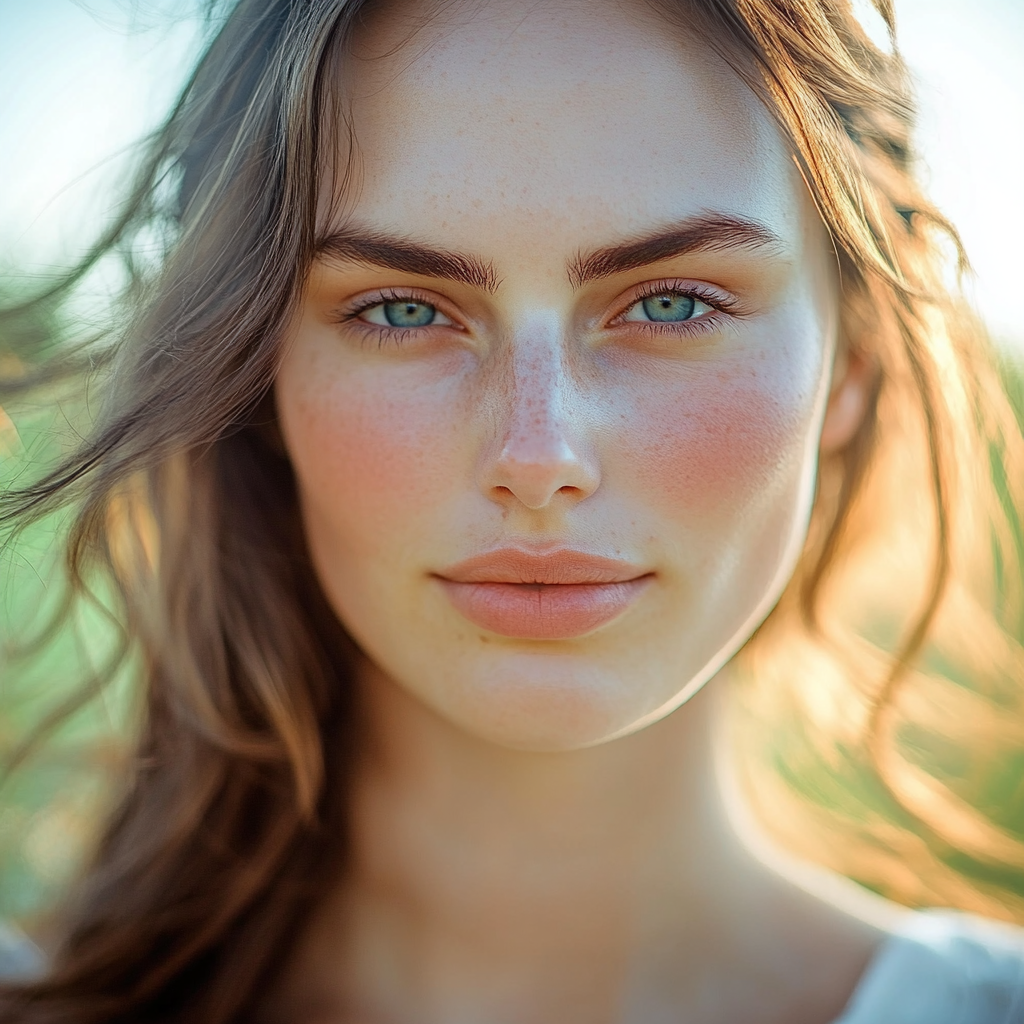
point(404, 312)
point(666, 307)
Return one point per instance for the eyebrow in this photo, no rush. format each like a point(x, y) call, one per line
point(706, 233)
point(396, 253)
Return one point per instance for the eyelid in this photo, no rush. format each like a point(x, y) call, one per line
point(351, 309)
point(720, 301)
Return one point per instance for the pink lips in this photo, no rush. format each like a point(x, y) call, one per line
point(553, 596)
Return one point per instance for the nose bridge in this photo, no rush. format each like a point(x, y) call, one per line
point(537, 397)
point(540, 454)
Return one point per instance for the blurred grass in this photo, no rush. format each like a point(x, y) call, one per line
point(51, 808)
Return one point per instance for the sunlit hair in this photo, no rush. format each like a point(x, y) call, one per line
point(233, 818)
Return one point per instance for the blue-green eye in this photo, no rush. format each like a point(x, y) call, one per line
point(408, 312)
point(667, 307)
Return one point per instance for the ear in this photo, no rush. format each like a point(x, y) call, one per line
point(853, 380)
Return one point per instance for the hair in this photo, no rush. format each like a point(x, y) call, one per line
point(233, 817)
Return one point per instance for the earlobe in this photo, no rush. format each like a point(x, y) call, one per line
point(853, 380)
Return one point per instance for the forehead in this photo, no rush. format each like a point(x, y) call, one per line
point(578, 120)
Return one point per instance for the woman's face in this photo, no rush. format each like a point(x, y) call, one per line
point(556, 392)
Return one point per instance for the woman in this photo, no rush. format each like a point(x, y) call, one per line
point(508, 365)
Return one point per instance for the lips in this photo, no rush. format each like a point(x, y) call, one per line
point(552, 596)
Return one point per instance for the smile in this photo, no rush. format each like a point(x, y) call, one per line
point(554, 596)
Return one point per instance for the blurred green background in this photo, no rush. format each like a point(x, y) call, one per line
point(49, 806)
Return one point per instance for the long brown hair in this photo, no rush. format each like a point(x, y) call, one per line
point(234, 815)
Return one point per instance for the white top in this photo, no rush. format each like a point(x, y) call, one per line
point(943, 968)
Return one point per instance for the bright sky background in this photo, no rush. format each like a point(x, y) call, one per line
point(81, 79)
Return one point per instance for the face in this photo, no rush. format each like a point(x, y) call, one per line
point(556, 391)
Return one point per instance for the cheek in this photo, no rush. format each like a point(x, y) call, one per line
point(726, 443)
point(371, 458)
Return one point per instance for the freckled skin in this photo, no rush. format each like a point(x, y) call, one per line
point(538, 418)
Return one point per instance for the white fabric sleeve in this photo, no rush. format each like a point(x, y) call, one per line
point(943, 967)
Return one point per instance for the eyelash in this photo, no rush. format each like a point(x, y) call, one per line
point(720, 303)
point(707, 323)
point(351, 315)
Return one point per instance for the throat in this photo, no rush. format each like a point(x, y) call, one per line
point(603, 885)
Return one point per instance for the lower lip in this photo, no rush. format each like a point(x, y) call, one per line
point(543, 611)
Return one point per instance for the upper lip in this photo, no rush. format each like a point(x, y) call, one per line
point(562, 566)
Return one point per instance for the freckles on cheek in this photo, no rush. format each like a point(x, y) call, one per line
point(366, 455)
point(719, 445)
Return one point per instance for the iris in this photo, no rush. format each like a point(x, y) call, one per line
point(669, 307)
point(409, 314)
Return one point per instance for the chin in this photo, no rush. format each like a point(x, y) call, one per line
point(549, 702)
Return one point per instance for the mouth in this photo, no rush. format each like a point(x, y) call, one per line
point(557, 595)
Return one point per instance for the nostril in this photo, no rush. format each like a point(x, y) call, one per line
point(536, 484)
point(542, 454)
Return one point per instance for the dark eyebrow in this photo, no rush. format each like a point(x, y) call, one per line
point(395, 253)
point(709, 232)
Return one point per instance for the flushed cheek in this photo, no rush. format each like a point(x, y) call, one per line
point(723, 445)
point(372, 460)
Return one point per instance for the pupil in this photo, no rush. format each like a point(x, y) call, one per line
point(408, 314)
point(669, 307)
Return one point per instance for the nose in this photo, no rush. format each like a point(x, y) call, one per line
point(541, 454)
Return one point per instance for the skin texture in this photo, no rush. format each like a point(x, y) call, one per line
point(533, 420)
point(534, 838)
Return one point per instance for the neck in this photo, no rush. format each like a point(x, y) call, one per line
point(611, 878)
point(613, 812)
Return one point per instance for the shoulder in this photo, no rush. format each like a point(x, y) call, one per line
point(943, 967)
